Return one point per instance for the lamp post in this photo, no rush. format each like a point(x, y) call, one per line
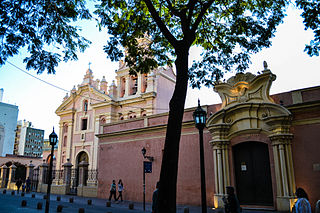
point(199, 116)
point(147, 168)
point(53, 138)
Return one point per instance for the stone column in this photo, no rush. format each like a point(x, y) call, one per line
point(220, 146)
point(67, 172)
point(127, 86)
point(283, 170)
point(30, 168)
point(43, 176)
point(4, 176)
point(139, 76)
point(83, 173)
point(11, 180)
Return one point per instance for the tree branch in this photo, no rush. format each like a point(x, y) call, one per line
point(191, 5)
point(163, 28)
point(200, 16)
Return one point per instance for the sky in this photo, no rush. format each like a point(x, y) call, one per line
point(37, 101)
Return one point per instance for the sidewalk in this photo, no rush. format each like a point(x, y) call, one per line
point(12, 204)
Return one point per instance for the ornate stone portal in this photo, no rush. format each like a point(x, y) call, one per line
point(247, 108)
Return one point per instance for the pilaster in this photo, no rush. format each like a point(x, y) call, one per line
point(4, 173)
point(284, 170)
point(11, 180)
point(220, 146)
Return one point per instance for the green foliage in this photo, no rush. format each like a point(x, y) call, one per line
point(45, 28)
point(228, 32)
point(311, 15)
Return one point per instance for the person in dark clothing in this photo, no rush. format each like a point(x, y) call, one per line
point(28, 184)
point(155, 198)
point(113, 190)
point(231, 202)
point(18, 184)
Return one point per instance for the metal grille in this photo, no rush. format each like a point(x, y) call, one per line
point(93, 176)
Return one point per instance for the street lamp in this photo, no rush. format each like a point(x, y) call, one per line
point(147, 168)
point(53, 139)
point(199, 116)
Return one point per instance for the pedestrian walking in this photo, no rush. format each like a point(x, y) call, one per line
point(302, 205)
point(28, 184)
point(18, 184)
point(113, 191)
point(231, 202)
point(120, 189)
point(155, 198)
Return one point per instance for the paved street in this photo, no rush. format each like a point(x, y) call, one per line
point(12, 204)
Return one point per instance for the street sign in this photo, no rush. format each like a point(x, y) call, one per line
point(147, 165)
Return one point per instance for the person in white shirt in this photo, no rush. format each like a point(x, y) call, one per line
point(120, 189)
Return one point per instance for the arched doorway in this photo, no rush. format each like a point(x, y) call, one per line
point(248, 110)
point(82, 156)
point(252, 173)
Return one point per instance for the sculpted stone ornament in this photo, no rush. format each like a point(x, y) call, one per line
point(246, 88)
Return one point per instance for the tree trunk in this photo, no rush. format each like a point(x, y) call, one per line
point(169, 167)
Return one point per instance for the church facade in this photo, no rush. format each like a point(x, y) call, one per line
point(265, 146)
point(94, 103)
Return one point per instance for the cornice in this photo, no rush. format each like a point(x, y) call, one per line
point(168, 77)
point(65, 112)
point(303, 106)
point(157, 128)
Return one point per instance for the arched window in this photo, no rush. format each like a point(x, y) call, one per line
point(65, 128)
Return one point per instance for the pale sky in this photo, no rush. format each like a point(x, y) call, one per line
point(38, 101)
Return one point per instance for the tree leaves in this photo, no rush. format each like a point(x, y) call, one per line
point(45, 28)
point(311, 15)
point(229, 32)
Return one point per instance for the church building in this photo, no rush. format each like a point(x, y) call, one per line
point(94, 103)
point(264, 145)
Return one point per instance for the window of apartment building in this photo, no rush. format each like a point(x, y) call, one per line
point(84, 124)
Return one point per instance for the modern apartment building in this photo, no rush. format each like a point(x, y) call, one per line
point(30, 140)
point(8, 123)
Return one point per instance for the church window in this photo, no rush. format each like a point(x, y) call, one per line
point(102, 120)
point(122, 87)
point(65, 128)
point(84, 124)
point(134, 85)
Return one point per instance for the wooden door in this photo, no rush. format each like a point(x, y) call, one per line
point(252, 174)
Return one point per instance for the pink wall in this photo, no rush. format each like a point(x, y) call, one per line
point(305, 148)
point(124, 161)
